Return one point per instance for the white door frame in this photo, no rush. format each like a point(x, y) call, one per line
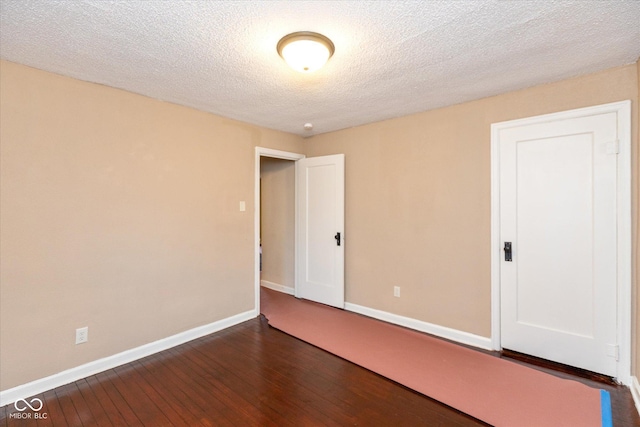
point(275, 154)
point(624, 303)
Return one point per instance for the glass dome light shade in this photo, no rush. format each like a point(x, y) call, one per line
point(305, 51)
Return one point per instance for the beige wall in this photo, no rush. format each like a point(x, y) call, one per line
point(418, 199)
point(278, 221)
point(120, 213)
point(636, 240)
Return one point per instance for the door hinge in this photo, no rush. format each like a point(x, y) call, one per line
point(613, 350)
point(613, 147)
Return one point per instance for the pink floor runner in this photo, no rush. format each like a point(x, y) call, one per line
point(497, 391)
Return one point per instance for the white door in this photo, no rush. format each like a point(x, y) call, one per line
point(558, 211)
point(320, 229)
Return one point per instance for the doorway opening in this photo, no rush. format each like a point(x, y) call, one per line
point(277, 224)
point(278, 258)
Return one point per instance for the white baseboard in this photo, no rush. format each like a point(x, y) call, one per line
point(110, 362)
point(635, 392)
point(407, 322)
point(277, 287)
point(419, 325)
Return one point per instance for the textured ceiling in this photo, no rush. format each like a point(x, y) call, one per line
point(392, 58)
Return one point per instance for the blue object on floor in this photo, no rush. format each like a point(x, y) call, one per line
point(605, 405)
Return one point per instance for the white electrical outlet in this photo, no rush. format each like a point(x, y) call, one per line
point(82, 335)
point(396, 291)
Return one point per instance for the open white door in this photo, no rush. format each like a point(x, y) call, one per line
point(559, 233)
point(320, 229)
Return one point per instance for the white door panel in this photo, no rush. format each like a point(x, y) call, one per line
point(558, 207)
point(320, 271)
point(554, 180)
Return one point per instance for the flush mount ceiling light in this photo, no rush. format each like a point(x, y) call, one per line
point(305, 51)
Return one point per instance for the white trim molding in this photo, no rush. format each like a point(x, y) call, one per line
point(277, 287)
point(622, 110)
point(83, 371)
point(419, 325)
point(635, 392)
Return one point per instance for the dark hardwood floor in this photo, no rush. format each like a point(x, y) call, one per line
point(623, 408)
point(251, 375)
